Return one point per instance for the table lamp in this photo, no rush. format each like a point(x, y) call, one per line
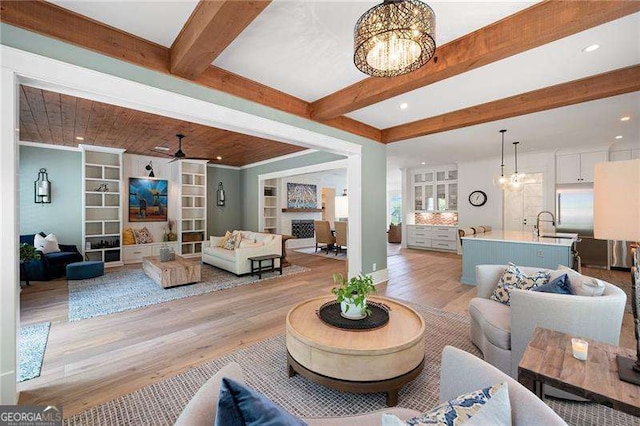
point(616, 216)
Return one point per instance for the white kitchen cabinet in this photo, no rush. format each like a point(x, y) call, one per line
point(624, 154)
point(578, 168)
point(432, 237)
point(435, 190)
point(635, 154)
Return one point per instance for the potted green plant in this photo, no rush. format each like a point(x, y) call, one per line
point(28, 252)
point(352, 295)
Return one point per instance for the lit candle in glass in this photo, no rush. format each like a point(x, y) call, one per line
point(580, 348)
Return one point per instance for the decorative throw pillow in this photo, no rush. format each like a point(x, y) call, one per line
point(233, 241)
point(513, 278)
point(224, 239)
point(460, 410)
point(580, 285)
point(142, 236)
point(127, 237)
point(560, 285)
point(48, 244)
point(242, 406)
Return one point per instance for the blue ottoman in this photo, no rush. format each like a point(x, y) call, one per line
point(84, 270)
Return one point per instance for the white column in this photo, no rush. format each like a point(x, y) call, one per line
point(354, 186)
point(9, 279)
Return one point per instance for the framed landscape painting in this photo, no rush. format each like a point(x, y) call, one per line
point(148, 200)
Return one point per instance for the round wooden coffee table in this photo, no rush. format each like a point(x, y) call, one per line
point(358, 361)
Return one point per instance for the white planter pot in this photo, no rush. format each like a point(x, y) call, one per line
point(354, 311)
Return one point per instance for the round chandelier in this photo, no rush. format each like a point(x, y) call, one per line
point(394, 38)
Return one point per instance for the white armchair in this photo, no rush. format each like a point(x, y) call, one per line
point(502, 333)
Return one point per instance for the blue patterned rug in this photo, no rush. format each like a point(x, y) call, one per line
point(33, 342)
point(126, 290)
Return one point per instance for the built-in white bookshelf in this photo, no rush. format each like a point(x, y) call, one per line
point(102, 204)
point(269, 216)
point(189, 184)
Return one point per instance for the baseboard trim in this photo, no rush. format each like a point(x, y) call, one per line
point(380, 277)
point(8, 392)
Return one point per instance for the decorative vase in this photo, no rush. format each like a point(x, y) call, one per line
point(173, 236)
point(165, 254)
point(352, 311)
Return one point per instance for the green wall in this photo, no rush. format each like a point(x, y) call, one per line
point(229, 216)
point(373, 153)
point(63, 216)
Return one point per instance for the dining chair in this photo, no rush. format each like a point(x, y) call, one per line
point(342, 236)
point(323, 234)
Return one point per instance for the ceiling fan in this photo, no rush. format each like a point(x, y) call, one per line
point(179, 154)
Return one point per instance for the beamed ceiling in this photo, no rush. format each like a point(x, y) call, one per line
point(495, 60)
point(57, 119)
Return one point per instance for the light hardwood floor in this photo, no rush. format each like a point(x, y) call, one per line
point(94, 360)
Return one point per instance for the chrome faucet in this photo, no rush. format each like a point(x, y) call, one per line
point(553, 220)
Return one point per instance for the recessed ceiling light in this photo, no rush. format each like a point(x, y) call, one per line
point(161, 148)
point(591, 48)
point(625, 118)
point(423, 163)
point(618, 137)
point(404, 105)
point(218, 158)
point(80, 138)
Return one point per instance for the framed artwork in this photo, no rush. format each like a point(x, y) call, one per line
point(148, 200)
point(302, 196)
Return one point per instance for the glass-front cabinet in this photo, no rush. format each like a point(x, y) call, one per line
point(435, 190)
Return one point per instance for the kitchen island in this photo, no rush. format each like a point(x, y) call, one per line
point(521, 248)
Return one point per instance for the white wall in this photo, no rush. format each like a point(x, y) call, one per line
point(134, 167)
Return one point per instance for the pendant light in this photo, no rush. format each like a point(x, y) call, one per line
point(394, 38)
point(500, 180)
point(516, 180)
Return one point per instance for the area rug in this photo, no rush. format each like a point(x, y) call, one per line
point(132, 289)
point(264, 366)
point(331, 255)
point(33, 342)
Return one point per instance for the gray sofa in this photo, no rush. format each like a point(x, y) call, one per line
point(502, 333)
point(460, 373)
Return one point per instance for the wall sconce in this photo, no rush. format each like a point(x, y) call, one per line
point(220, 196)
point(42, 188)
point(149, 168)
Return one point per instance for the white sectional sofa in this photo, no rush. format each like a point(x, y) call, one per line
point(237, 261)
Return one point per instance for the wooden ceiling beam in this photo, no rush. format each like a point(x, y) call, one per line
point(212, 27)
point(617, 82)
point(535, 26)
point(59, 23)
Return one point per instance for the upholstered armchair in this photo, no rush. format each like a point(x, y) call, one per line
point(323, 234)
point(502, 333)
point(50, 265)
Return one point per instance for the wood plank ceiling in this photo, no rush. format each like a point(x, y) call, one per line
point(57, 119)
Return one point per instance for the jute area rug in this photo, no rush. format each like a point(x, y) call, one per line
point(131, 289)
point(264, 367)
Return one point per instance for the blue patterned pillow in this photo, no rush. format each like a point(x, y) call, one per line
point(514, 278)
point(558, 286)
point(458, 410)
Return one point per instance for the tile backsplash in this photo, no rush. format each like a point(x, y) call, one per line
point(436, 218)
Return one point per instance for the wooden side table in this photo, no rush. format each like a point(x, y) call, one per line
point(549, 360)
point(257, 268)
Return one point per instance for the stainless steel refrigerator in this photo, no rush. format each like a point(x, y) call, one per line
point(574, 213)
point(620, 254)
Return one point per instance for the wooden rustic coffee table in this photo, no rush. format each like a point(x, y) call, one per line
point(549, 360)
point(172, 273)
point(358, 361)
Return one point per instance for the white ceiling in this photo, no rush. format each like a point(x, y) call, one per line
point(586, 124)
point(158, 21)
point(305, 48)
point(553, 63)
